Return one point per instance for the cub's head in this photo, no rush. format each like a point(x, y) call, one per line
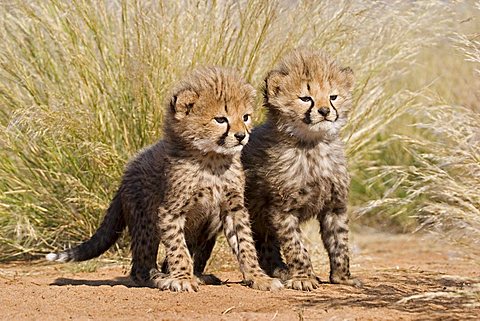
point(308, 95)
point(211, 111)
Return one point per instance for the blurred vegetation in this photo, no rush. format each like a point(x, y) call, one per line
point(83, 83)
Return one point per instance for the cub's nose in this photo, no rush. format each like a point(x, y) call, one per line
point(324, 111)
point(239, 136)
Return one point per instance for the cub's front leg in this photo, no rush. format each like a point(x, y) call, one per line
point(334, 230)
point(171, 222)
point(237, 230)
point(200, 254)
point(300, 271)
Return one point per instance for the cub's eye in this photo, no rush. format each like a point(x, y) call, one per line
point(333, 97)
point(306, 98)
point(246, 117)
point(221, 120)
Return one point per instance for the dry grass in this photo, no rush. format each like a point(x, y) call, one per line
point(82, 85)
point(439, 187)
point(468, 289)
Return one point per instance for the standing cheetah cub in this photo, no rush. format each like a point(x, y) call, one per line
point(182, 190)
point(296, 169)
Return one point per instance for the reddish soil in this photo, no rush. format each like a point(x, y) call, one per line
point(405, 278)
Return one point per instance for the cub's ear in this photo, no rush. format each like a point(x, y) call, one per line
point(273, 82)
point(348, 77)
point(182, 103)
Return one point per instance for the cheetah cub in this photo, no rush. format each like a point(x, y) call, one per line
point(296, 168)
point(184, 189)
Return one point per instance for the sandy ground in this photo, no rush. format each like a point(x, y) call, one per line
point(405, 278)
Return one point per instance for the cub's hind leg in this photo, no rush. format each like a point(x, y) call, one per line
point(201, 254)
point(266, 242)
point(144, 246)
point(269, 255)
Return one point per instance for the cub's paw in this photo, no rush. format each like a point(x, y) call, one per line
point(147, 277)
point(336, 279)
point(307, 283)
point(207, 279)
point(177, 284)
point(263, 283)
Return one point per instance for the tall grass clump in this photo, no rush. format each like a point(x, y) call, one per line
point(83, 82)
point(82, 89)
point(442, 184)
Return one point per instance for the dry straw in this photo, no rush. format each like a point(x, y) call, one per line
point(83, 82)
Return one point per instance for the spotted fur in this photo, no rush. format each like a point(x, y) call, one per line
point(296, 168)
point(186, 188)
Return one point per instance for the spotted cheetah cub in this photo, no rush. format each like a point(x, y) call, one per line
point(184, 189)
point(296, 169)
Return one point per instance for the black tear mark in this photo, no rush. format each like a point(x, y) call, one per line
point(173, 103)
point(221, 140)
point(336, 111)
point(307, 119)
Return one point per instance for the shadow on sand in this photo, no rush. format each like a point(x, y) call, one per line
point(123, 281)
point(387, 289)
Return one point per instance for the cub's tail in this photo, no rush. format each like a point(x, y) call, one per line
point(105, 236)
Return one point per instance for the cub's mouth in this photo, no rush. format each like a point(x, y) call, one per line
point(311, 118)
point(223, 144)
point(242, 143)
point(231, 150)
point(308, 121)
point(238, 146)
point(327, 120)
